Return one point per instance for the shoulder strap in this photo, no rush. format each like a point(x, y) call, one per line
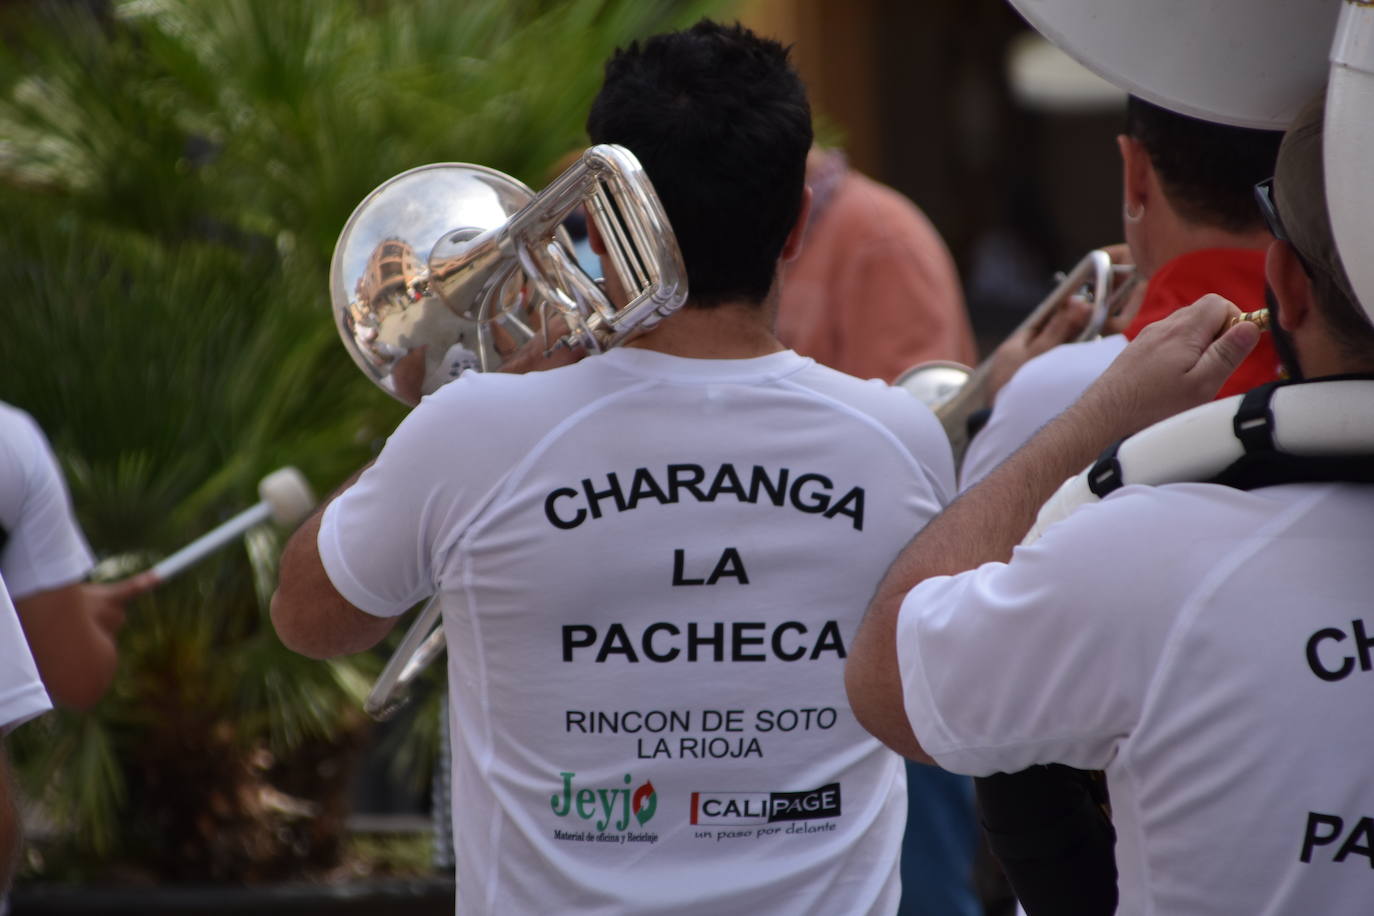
point(1283, 432)
point(1265, 464)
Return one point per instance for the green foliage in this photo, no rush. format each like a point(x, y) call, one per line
point(173, 178)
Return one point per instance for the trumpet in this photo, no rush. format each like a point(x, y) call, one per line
point(955, 392)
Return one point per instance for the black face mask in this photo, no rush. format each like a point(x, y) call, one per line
point(1283, 343)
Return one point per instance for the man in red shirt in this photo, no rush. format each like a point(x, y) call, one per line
point(1192, 227)
point(1191, 222)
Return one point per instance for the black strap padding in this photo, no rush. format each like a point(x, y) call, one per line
point(1049, 829)
point(977, 420)
point(1105, 475)
point(1267, 469)
point(1264, 464)
point(1253, 423)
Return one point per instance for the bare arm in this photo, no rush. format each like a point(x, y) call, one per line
point(72, 632)
point(1026, 343)
point(9, 826)
point(308, 613)
point(1176, 364)
point(1063, 325)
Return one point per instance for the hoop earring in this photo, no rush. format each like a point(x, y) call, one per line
point(1132, 217)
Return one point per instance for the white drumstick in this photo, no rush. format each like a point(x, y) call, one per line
point(286, 499)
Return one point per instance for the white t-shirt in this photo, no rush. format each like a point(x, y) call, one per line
point(1039, 391)
point(650, 568)
point(1211, 650)
point(44, 547)
point(21, 692)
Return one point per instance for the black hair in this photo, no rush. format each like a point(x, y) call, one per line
point(1208, 170)
point(1349, 326)
point(719, 120)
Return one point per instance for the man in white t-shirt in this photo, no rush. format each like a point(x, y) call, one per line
point(1191, 226)
point(21, 698)
point(652, 562)
point(71, 625)
point(1220, 675)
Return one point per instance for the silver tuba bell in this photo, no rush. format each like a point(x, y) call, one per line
point(453, 266)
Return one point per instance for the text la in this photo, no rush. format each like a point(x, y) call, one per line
point(728, 566)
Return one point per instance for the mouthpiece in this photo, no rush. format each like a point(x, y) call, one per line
point(1259, 319)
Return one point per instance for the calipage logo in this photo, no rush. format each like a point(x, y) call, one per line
point(739, 808)
point(608, 807)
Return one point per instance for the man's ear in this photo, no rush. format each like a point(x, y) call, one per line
point(594, 239)
point(1290, 283)
point(1135, 175)
point(792, 247)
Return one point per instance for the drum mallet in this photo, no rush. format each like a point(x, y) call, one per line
point(286, 498)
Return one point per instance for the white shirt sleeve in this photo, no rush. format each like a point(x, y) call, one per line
point(375, 539)
point(1046, 659)
point(1039, 391)
point(21, 692)
point(382, 540)
point(44, 548)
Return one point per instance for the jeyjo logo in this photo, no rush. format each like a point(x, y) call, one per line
point(736, 808)
point(603, 804)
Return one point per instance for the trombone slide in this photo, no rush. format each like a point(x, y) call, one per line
point(422, 644)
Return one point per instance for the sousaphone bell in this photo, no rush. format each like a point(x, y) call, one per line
point(1247, 64)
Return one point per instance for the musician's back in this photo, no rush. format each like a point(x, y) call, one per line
point(1227, 634)
point(649, 588)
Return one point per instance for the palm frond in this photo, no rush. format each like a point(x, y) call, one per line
point(173, 179)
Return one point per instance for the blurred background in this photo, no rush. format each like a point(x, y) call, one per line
point(1004, 141)
point(173, 177)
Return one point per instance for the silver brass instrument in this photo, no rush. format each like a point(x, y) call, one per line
point(453, 266)
point(955, 392)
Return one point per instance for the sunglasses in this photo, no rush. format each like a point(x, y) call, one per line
point(1264, 198)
